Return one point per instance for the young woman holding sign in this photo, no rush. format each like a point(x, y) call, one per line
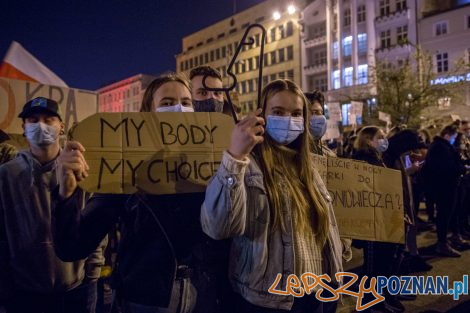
point(267, 197)
point(163, 254)
point(380, 258)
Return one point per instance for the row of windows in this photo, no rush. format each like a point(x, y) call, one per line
point(347, 45)
point(442, 27)
point(251, 64)
point(361, 15)
point(384, 6)
point(386, 37)
point(361, 76)
point(317, 82)
point(121, 95)
point(119, 107)
point(222, 35)
point(275, 33)
point(251, 85)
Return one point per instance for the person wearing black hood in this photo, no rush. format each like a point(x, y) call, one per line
point(442, 172)
point(401, 155)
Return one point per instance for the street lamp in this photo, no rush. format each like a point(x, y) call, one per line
point(291, 9)
point(276, 15)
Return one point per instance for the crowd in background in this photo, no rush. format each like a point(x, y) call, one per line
point(266, 211)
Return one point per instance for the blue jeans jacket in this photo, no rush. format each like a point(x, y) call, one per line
point(236, 206)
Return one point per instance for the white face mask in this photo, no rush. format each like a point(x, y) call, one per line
point(175, 108)
point(40, 134)
point(284, 129)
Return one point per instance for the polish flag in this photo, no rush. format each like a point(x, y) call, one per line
point(20, 64)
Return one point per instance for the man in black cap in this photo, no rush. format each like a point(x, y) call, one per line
point(32, 277)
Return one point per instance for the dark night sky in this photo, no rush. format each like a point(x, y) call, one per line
point(92, 43)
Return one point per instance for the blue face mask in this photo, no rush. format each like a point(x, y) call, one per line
point(382, 145)
point(284, 129)
point(318, 126)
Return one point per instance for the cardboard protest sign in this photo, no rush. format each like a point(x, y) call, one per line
point(368, 200)
point(356, 108)
point(159, 153)
point(332, 130)
point(74, 104)
point(334, 111)
point(385, 117)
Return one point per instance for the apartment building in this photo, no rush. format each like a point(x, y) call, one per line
point(445, 34)
point(215, 46)
point(124, 95)
point(344, 40)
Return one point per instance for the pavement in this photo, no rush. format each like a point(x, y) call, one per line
point(454, 268)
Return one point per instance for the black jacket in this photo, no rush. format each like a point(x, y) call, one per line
point(370, 156)
point(146, 262)
point(442, 168)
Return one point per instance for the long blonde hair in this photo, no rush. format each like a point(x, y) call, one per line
point(295, 165)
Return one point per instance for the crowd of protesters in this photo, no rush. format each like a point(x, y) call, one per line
point(265, 211)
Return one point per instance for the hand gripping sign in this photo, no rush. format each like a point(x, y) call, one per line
point(159, 153)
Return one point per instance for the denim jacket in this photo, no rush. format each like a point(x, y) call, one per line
point(236, 206)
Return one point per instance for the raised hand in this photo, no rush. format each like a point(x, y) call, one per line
point(71, 168)
point(247, 134)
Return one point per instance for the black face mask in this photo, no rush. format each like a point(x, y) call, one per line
point(208, 105)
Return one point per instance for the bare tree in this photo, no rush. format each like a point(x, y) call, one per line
point(404, 91)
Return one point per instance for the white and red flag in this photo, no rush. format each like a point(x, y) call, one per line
point(20, 64)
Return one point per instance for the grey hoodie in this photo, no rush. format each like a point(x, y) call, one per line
point(27, 258)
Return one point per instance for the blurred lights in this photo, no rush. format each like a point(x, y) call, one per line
point(291, 9)
point(276, 15)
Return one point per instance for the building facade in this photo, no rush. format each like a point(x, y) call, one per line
point(215, 46)
point(344, 40)
point(445, 35)
point(125, 95)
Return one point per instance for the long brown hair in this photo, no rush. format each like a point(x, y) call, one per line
point(147, 100)
point(295, 165)
point(367, 134)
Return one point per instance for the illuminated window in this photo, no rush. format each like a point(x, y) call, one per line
point(362, 74)
point(362, 43)
point(347, 42)
point(348, 76)
point(335, 50)
point(345, 112)
point(336, 80)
